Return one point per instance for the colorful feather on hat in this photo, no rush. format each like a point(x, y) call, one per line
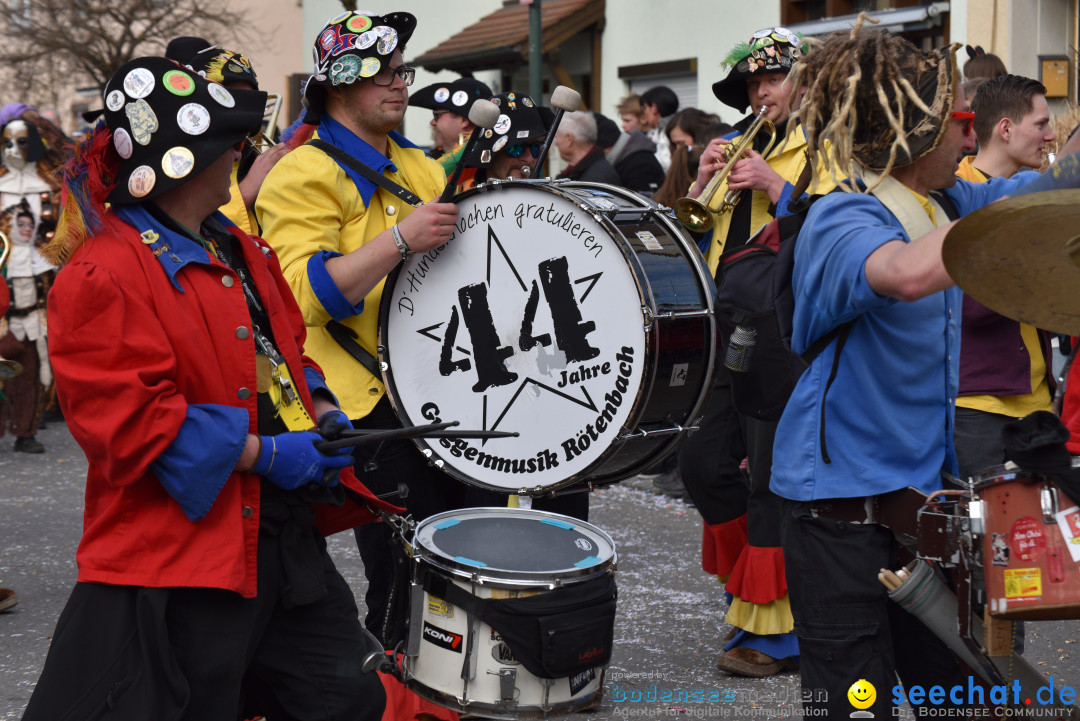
point(86, 180)
point(450, 160)
point(215, 69)
point(737, 54)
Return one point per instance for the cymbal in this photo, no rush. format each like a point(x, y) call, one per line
point(1020, 257)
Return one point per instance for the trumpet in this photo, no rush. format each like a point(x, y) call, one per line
point(695, 213)
point(264, 139)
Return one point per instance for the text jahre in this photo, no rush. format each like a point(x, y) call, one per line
point(584, 373)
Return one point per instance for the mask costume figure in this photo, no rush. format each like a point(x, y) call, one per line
point(28, 204)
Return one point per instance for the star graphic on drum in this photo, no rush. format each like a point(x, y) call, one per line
point(488, 356)
point(534, 318)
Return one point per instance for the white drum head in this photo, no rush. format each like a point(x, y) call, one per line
point(514, 544)
point(528, 320)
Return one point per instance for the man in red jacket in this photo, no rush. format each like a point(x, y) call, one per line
point(203, 570)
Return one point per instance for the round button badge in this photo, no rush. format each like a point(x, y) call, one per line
point(122, 143)
point(442, 94)
point(369, 67)
point(502, 127)
point(114, 100)
point(139, 83)
point(179, 83)
point(177, 162)
point(460, 98)
point(193, 119)
point(221, 95)
point(141, 181)
point(366, 40)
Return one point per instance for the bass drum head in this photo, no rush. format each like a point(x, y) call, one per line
point(530, 321)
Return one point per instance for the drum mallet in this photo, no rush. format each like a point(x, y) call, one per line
point(483, 115)
point(562, 99)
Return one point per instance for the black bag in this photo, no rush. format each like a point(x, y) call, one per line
point(554, 634)
point(754, 292)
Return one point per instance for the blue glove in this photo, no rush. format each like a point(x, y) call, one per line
point(331, 425)
point(290, 460)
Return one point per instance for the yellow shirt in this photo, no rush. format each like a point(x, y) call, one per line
point(1014, 406)
point(308, 204)
point(788, 164)
point(236, 210)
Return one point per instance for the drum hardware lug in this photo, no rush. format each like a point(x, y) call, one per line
point(439, 463)
point(646, 311)
point(416, 618)
point(658, 432)
point(680, 314)
point(975, 512)
point(384, 366)
point(507, 684)
point(427, 452)
point(1048, 496)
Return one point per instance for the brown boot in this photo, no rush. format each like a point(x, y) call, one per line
point(8, 599)
point(743, 661)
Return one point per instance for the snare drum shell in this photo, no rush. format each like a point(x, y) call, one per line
point(1030, 573)
point(451, 647)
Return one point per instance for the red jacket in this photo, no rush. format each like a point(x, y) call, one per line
point(131, 352)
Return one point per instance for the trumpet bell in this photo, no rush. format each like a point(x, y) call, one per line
point(694, 215)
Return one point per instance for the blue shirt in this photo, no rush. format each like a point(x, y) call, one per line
point(886, 420)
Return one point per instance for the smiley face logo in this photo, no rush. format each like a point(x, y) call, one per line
point(862, 694)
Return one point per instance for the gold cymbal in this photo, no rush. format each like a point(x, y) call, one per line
point(1020, 257)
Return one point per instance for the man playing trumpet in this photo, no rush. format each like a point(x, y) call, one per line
point(742, 521)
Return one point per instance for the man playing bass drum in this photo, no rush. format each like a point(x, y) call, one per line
point(742, 522)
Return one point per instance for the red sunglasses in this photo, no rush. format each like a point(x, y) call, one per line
point(966, 117)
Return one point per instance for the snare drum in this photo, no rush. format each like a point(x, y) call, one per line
point(1031, 546)
point(578, 315)
point(456, 660)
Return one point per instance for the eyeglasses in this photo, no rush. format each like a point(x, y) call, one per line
point(439, 112)
point(518, 149)
point(385, 76)
point(965, 117)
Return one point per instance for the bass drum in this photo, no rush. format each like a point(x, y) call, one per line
point(578, 315)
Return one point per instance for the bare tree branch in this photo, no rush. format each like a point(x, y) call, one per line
point(91, 39)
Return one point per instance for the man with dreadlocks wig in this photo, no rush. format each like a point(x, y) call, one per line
point(203, 570)
point(874, 411)
point(741, 539)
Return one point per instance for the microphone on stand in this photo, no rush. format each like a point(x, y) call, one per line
point(562, 99)
point(483, 114)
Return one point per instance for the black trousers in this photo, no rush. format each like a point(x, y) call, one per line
point(121, 653)
point(848, 628)
point(381, 467)
point(710, 457)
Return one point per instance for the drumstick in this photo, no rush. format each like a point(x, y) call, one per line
point(562, 99)
point(350, 439)
point(483, 114)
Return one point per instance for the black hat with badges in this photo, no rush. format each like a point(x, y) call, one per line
point(772, 50)
point(353, 46)
point(457, 97)
point(169, 123)
point(521, 121)
point(224, 66)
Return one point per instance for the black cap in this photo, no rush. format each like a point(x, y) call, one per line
point(457, 97)
point(520, 121)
